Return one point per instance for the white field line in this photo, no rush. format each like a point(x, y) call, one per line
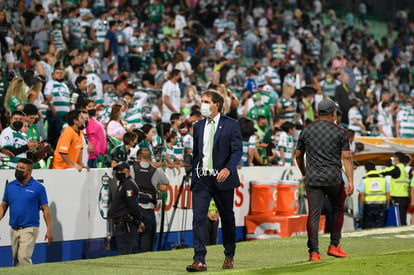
point(378, 231)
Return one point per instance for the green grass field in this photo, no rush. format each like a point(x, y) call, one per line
point(384, 251)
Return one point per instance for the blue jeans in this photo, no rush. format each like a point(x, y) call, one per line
point(41, 44)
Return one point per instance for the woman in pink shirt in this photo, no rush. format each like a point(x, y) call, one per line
point(95, 134)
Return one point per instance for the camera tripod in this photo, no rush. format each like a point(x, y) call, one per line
point(185, 181)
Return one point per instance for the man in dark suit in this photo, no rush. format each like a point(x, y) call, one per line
point(217, 151)
point(343, 97)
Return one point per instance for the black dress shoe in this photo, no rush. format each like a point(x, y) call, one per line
point(197, 266)
point(228, 263)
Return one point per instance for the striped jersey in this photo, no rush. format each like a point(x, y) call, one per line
point(220, 24)
point(134, 113)
point(97, 93)
point(101, 28)
point(179, 147)
point(406, 119)
point(13, 139)
point(61, 96)
point(279, 50)
point(328, 88)
point(285, 104)
point(85, 12)
point(57, 38)
point(273, 75)
point(260, 78)
point(75, 27)
point(286, 142)
point(251, 143)
point(354, 113)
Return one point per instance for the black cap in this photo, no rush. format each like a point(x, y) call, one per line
point(327, 106)
point(122, 165)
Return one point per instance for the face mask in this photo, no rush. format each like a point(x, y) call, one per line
point(97, 55)
point(205, 110)
point(135, 26)
point(59, 26)
point(86, 123)
point(120, 176)
point(92, 112)
point(357, 90)
point(387, 109)
point(123, 115)
point(258, 104)
point(82, 127)
point(188, 58)
point(329, 80)
point(119, 29)
point(19, 175)
point(17, 125)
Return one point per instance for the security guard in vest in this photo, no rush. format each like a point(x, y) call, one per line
point(399, 186)
point(125, 211)
point(373, 197)
point(149, 180)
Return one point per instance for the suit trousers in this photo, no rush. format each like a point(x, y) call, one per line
point(316, 196)
point(202, 193)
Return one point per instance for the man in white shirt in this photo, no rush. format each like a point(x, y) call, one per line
point(171, 97)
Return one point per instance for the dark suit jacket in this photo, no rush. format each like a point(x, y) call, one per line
point(227, 150)
point(342, 97)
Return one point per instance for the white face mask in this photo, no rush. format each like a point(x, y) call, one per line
point(205, 109)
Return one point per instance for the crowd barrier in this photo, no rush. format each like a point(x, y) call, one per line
point(77, 223)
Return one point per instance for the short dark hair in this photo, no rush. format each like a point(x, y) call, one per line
point(127, 94)
point(129, 137)
point(140, 134)
point(171, 136)
point(195, 113)
point(175, 116)
point(26, 161)
point(30, 109)
point(146, 128)
point(163, 128)
point(17, 113)
point(79, 79)
point(174, 72)
point(287, 125)
point(71, 116)
point(215, 97)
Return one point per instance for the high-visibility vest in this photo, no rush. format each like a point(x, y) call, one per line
point(375, 188)
point(399, 187)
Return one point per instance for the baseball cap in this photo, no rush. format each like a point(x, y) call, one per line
point(122, 165)
point(327, 106)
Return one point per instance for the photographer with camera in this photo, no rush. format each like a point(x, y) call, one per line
point(150, 180)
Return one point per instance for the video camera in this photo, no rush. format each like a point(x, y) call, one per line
point(188, 163)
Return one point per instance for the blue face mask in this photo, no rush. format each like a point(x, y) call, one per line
point(123, 115)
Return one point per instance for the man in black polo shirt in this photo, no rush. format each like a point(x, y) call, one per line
point(325, 144)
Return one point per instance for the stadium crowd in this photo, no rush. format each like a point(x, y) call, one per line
point(115, 76)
